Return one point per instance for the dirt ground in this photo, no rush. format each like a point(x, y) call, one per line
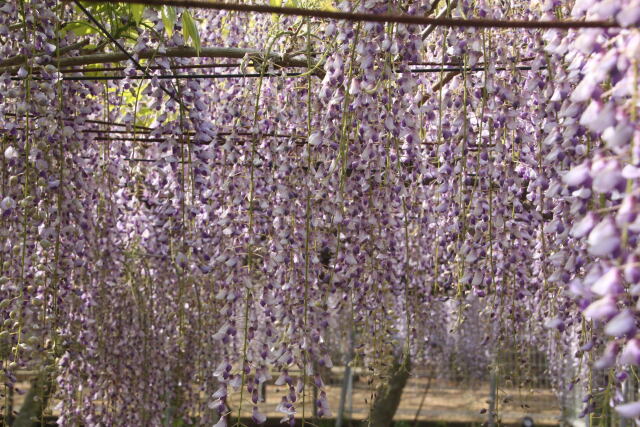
point(444, 402)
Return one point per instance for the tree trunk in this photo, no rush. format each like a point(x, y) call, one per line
point(36, 401)
point(388, 394)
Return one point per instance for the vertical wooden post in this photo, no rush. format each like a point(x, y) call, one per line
point(629, 392)
point(315, 393)
point(493, 392)
point(625, 393)
point(346, 382)
point(346, 386)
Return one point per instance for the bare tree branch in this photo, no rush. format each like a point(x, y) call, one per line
point(442, 14)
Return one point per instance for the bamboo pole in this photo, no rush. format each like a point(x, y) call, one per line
point(370, 17)
point(172, 52)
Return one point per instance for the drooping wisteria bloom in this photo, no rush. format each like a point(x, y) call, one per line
point(229, 233)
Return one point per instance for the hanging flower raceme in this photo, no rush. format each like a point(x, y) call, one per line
point(174, 244)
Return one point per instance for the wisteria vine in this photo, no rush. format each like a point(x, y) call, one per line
point(168, 242)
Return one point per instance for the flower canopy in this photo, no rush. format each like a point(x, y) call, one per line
point(199, 201)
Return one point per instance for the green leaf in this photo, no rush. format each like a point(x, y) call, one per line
point(80, 28)
point(169, 18)
point(93, 73)
point(190, 31)
point(136, 12)
point(327, 5)
point(276, 3)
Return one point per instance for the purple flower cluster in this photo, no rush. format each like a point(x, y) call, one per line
point(160, 254)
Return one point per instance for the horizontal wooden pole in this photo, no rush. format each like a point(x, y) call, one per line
point(368, 17)
point(174, 52)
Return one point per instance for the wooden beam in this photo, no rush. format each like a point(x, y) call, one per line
point(172, 52)
point(371, 17)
